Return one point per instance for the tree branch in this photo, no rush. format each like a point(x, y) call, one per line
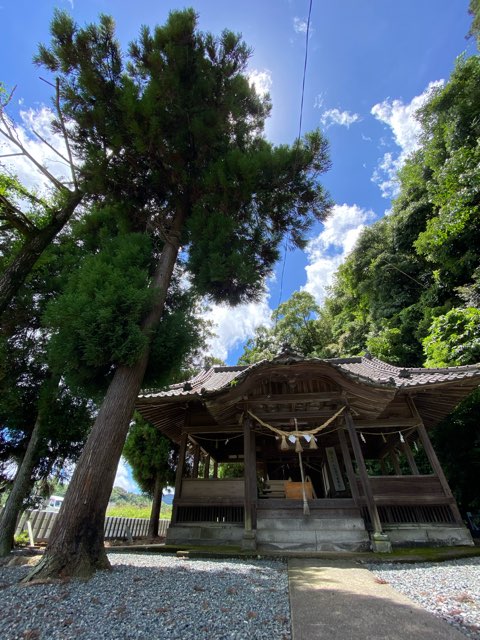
point(64, 131)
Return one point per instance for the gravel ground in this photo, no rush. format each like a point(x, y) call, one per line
point(149, 596)
point(449, 590)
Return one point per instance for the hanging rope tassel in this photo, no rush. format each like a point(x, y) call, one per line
point(298, 445)
point(284, 444)
point(313, 443)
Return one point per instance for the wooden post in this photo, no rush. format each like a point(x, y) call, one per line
point(362, 470)
point(434, 462)
point(410, 458)
point(215, 469)
point(383, 466)
point(206, 470)
point(179, 474)
point(352, 478)
point(396, 465)
point(249, 536)
point(196, 460)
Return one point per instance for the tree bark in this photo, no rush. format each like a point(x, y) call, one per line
point(21, 487)
point(156, 506)
point(76, 544)
point(17, 271)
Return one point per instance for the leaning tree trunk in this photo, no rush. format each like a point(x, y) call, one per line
point(76, 547)
point(156, 507)
point(20, 490)
point(17, 271)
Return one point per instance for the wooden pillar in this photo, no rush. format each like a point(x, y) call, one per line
point(410, 458)
point(215, 469)
point(179, 474)
point(352, 478)
point(362, 471)
point(249, 450)
point(206, 470)
point(435, 463)
point(196, 460)
point(396, 465)
point(383, 466)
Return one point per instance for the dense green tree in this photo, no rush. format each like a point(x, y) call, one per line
point(171, 134)
point(153, 459)
point(298, 323)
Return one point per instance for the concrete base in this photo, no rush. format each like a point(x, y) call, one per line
point(249, 542)
point(423, 535)
point(312, 534)
point(205, 533)
point(381, 543)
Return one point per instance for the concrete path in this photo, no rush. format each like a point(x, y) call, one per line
point(339, 600)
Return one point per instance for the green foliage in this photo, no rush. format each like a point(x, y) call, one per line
point(97, 318)
point(231, 470)
point(454, 339)
point(151, 455)
point(474, 11)
point(298, 323)
point(148, 145)
point(457, 442)
point(121, 497)
point(22, 539)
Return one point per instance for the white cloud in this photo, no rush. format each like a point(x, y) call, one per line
point(262, 80)
point(319, 101)
point(330, 248)
point(233, 325)
point(299, 25)
point(406, 130)
point(38, 120)
point(124, 478)
point(335, 116)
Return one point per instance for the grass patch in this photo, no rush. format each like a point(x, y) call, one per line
point(133, 511)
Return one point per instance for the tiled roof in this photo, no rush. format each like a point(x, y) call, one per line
point(364, 369)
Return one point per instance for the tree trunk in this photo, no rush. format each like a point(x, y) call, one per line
point(75, 547)
point(156, 506)
point(20, 490)
point(17, 271)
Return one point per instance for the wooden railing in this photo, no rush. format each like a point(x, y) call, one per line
point(406, 490)
point(415, 499)
point(231, 490)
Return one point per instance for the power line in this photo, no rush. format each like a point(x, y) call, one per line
point(307, 37)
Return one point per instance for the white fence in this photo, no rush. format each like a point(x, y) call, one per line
point(115, 528)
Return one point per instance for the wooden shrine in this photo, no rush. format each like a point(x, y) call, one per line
point(332, 454)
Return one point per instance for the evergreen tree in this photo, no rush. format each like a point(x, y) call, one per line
point(153, 459)
point(173, 140)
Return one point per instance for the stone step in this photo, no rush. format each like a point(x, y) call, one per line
point(311, 537)
point(311, 523)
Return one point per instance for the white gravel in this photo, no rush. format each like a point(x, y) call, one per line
point(149, 596)
point(449, 590)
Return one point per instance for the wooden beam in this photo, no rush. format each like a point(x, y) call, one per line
point(250, 475)
point(286, 398)
point(196, 460)
point(214, 428)
point(352, 481)
point(206, 469)
point(362, 470)
point(410, 458)
point(386, 423)
point(395, 463)
point(179, 474)
point(436, 466)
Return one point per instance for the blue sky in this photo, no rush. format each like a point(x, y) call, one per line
point(370, 65)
